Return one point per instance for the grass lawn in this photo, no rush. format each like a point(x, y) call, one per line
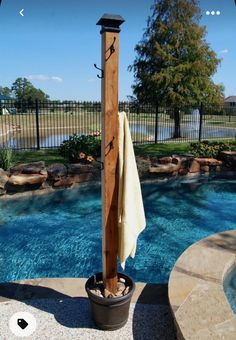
point(162, 149)
point(52, 155)
point(48, 155)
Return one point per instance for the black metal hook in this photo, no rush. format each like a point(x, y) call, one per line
point(111, 48)
point(110, 145)
point(102, 72)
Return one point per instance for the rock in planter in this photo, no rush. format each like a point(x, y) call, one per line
point(24, 179)
point(56, 171)
point(30, 168)
point(110, 313)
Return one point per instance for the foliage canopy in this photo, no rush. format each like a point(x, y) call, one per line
point(174, 63)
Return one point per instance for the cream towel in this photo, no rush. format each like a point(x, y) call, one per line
point(131, 217)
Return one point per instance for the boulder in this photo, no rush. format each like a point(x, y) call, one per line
point(205, 168)
point(64, 182)
point(3, 180)
point(183, 171)
point(56, 171)
point(79, 168)
point(194, 167)
point(143, 165)
point(208, 161)
point(3, 177)
point(164, 168)
point(30, 168)
point(68, 181)
point(229, 159)
point(25, 179)
point(165, 160)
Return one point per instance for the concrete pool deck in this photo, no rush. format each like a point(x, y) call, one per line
point(196, 294)
point(62, 311)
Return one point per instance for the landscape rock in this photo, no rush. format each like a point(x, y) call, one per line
point(64, 182)
point(194, 167)
point(183, 171)
point(229, 159)
point(3, 177)
point(25, 179)
point(208, 161)
point(165, 160)
point(84, 177)
point(183, 162)
point(143, 165)
point(30, 168)
point(164, 168)
point(56, 171)
point(80, 168)
point(205, 168)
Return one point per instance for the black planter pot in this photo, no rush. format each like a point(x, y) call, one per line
point(110, 313)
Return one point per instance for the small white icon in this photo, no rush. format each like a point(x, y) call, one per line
point(213, 13)
point(22, 324)
point(21, 12)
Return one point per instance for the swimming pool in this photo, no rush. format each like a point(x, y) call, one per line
point(230, 289)
point(59, 234)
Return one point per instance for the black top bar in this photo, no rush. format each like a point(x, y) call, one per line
point(110, 23)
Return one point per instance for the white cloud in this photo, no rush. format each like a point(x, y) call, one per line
point(43, 77)
point(225, 51)
point(91, 80)
point(59, 79)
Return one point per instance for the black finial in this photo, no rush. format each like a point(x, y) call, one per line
point(110, 23)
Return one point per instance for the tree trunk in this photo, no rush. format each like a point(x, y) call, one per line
point(177, 133)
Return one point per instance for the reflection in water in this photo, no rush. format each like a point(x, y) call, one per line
point(140, 132)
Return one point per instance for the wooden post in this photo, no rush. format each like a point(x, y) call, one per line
point(110, 52)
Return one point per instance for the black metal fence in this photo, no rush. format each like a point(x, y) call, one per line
point(35, 125)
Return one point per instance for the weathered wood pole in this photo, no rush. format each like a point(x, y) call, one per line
point(110, 53)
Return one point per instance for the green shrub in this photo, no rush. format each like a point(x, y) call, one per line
point(81, 148)
point(208, 149)
point(6, 157)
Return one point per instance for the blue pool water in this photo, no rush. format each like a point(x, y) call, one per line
point(59, 234)
point(230, 289)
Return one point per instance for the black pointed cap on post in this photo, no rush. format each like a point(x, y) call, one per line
point(110, 23)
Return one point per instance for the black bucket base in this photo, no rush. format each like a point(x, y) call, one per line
point(110, 313)
point(110, 327)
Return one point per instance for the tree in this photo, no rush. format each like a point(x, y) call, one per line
point(25, 91)
point(5, 91)
point(174, 63)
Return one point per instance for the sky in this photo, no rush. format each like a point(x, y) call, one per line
point(56, 43)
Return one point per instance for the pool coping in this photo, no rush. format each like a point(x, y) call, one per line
point(196, 294)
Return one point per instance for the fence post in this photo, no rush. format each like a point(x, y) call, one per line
point(200, 123)
point(37, 123)
point(156, 124)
